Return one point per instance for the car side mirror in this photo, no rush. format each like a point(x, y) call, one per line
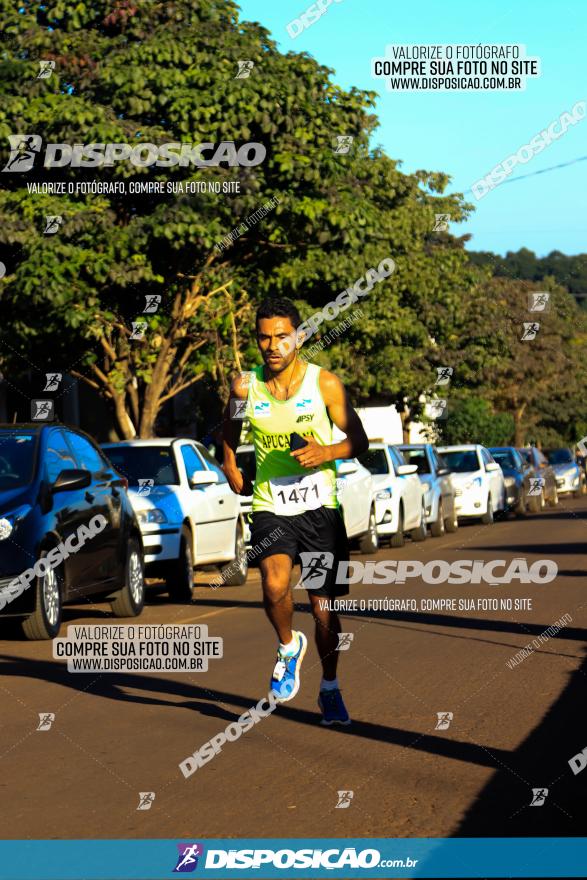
point(404, 469)
point(70, 479)
point(491, 466)
point(203, 478)
point(347, 467)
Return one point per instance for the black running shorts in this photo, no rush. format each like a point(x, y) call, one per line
point(316, 539)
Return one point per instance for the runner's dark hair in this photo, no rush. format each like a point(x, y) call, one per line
point(278, 307)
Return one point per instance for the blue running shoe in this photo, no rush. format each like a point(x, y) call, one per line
point(333, 708)
point(285, 681)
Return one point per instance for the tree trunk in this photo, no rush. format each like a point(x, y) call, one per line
point(519, 438)
point(406, 418)
point(124, 423)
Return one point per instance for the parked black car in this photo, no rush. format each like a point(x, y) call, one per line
point(543, 471)
point(517, 473)
point(67, 528)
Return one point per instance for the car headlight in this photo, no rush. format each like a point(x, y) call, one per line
point(475, 483)
point(510, 482)
point(383, 494)
point(151, 515)
point(9, 520)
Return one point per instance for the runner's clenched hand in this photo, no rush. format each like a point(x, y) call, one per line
point(313, 454)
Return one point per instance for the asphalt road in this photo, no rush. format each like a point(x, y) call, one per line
point(513, 729)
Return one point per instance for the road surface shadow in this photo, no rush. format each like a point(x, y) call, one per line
point(541, 762)
point(213, 703)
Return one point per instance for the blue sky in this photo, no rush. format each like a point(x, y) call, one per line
point(466, 134)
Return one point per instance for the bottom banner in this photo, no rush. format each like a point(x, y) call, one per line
point(275, 858)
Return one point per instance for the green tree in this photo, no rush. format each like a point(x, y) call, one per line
point(154, 72)
point(472, 420)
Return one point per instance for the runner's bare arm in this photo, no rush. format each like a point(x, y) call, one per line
point(231, 431)
point(344, 417)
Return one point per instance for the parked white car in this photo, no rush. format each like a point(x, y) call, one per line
point(356, 496)
point(478, 480)
point(399, 495)
point(188, 514)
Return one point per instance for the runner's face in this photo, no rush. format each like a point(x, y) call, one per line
point(276, 338)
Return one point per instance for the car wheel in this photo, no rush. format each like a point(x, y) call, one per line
point(45, 620)
point(234, 573)
point(487, 517)
point(420, 533)
point(437, 528)
point(451, 525)
point(553, 500)
point(369, 542)
point(129, 600)
point(179, 579)
point(398, 540)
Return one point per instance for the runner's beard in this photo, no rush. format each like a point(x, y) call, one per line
point(279, 366)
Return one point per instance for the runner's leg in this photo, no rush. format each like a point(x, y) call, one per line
point(327, 630)
point(277, 598)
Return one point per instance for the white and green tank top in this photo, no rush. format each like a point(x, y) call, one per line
point(282, 486)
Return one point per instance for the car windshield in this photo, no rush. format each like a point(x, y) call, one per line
point(504, 457)
point(245, 460)
point(461, 460)
point(559, 456)
point(375, 460)
point(139, 463)
point(17, 458)
point(417, 457)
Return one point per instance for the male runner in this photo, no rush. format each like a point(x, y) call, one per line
point(295, 491)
